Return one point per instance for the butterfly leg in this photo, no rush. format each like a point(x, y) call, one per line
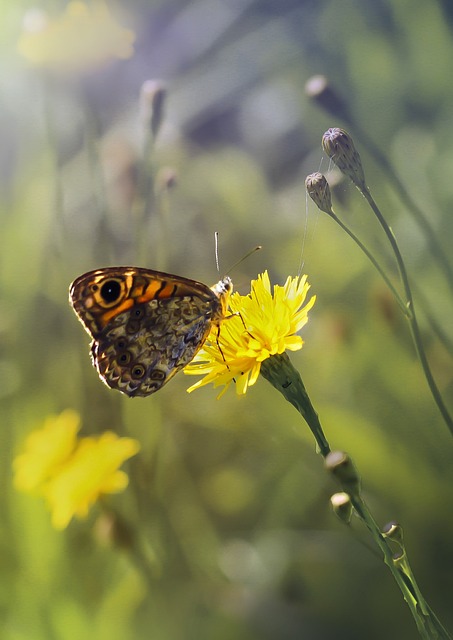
point(232, 315)
point(238, 314)
point(218, 344)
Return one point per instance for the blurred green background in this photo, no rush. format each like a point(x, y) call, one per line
point(228, 499)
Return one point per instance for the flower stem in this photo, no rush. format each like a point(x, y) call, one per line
point(339, 146)
point(404, 307)
point(416, 335)
point(324, 94)
point(279, 371)
point(426, 621)
point(434, 245)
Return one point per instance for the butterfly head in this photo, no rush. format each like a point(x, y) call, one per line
point(223, 289)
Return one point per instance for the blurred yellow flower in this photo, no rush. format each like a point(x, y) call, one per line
point(46, 450)
point(70, 473)
point(262, 324)
point(84, 38)
point(90, 473)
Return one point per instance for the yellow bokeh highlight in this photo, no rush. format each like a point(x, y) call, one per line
point(83, 38)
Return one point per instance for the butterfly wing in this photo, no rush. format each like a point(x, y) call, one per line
point(146, 325)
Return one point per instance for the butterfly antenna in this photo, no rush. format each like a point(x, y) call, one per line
point(247, 255)
point(216, 249)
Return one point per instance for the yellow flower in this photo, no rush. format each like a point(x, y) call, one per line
point(46, 450)
point(71, 473)
point(262, 324)
point(91, 472)
point(84, 37)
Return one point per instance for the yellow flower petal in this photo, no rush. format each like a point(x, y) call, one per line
point(46, 450)
point(91, 472)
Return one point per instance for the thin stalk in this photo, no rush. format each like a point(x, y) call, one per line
point(421, 612)
point(404, 307)
point(410, 304)
point(437, 330)
point(145, 202)
point(434, 245)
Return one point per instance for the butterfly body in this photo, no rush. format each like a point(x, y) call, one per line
point(145, 325)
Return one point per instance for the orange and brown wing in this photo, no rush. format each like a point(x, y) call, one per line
point(100, 295)
point(146, 325)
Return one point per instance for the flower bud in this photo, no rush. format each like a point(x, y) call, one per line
point(339, 146)
point(319, 191)
point(342, 467)
point(400, 560)
point(394, 531)
point(342, 507)
point(152, 100)
point(322, 93)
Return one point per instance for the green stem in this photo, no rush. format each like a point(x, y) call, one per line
point(437, 330)
point(53, 147)
point(410, 304)
point(279, 371)
point(404, 307)
point(421, 612)
point(436, 248)
point(429, 616)
point(93, 136)
point(145, 201)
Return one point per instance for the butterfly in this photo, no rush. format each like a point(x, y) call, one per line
point(145, 325)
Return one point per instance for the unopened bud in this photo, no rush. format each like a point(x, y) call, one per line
point(342, 507)
point(152, 100)
point(400, 560)
point(342, 467)
point(319, 191)
point(340, 148)
point(320, 91)
point(394, 531)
